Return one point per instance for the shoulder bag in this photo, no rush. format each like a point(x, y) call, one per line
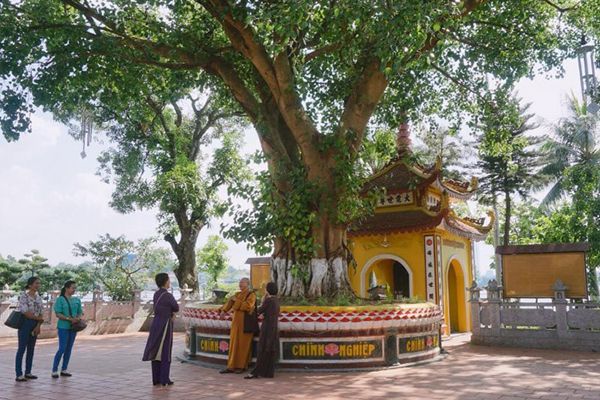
point(15, 320)
point(75, 326)
point(251, 319)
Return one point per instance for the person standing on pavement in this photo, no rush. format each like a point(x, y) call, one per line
point(68, 311)
point(268, 342)
point(31, 306)
point(160, 341)
point(240, 342)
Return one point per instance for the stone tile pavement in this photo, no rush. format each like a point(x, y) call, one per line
point(109, 367)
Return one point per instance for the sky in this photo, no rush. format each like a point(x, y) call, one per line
point(51, 198)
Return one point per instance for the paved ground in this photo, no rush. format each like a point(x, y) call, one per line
point(109, 367)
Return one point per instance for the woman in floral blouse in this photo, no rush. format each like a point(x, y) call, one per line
point(30, 305)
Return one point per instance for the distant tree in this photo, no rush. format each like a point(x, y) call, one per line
point(55, 277)
point(11, 272)
point(33, 263)
point(157, 160)
point(212, 259)
point(574, 143)
point(378, 149)
point(445, 144)
point(121, 264)
point(510, 159)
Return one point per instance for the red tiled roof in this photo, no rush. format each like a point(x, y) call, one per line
point(395, 222)
point(459, 227)
point(458, 189)
point(398, 177)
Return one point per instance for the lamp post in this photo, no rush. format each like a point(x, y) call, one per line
point(587, 76)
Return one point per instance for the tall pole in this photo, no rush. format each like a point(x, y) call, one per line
point(587, 76)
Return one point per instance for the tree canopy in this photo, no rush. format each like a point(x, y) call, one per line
point(312, 77)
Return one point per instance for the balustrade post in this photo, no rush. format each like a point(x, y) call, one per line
point(137, 301)
point(474, 295)
point(494, 302)
point(185, 295)
point(560, 308)
point(6, 294)
point(97, 297)
point(53, 296)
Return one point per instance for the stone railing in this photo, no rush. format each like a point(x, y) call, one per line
point(555, 324)
point(103, 317)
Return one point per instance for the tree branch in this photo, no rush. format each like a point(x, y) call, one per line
point(561, 9)
point(277, 75)
point(361, 103)
point(179, 118)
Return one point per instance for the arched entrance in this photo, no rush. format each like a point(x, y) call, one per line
point(388, 269)
point(401, 284)
point(457, 316)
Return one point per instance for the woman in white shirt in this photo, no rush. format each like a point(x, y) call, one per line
point(30, 305)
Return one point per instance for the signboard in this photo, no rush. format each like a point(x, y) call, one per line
point(338, 350)
point(429, 269)
point(217, 347)
point(526, 273)
point(260, 275)
point(416, 344)
point(212, 345)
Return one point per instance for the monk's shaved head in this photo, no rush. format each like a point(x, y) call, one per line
point(244, 283)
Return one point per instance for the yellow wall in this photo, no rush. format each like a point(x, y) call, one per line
point(453, 253)
point(378, 252)
point(408, 248)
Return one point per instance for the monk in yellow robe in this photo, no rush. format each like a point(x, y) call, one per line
point(240, 343)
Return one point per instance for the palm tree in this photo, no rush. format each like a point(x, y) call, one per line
point(575, 142)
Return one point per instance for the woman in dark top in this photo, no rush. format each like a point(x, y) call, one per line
point(160, 341)
point(268, 342)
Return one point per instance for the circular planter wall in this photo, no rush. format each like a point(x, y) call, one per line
point(314, 337)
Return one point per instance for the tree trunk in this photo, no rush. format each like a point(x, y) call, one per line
point(507, 215)
point(497, 259)
point(324, 275)
point(186, 266)
point(185, 251)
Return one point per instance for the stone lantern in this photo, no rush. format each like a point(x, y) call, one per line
point(493, 291)
point(474, 292)
point(559, 291)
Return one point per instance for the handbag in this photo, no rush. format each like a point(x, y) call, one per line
point(15, 320)
point(75, 326)
point(251, 320)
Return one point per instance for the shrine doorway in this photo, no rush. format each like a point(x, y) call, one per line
point(457, 315)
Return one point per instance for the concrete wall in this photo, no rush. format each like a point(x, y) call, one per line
point(103, 317)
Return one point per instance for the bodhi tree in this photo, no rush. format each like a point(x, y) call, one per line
point(310, 77)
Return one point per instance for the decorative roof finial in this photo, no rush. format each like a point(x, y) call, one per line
point(403, 139)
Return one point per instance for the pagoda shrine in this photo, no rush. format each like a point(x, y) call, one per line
point(415, 245)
